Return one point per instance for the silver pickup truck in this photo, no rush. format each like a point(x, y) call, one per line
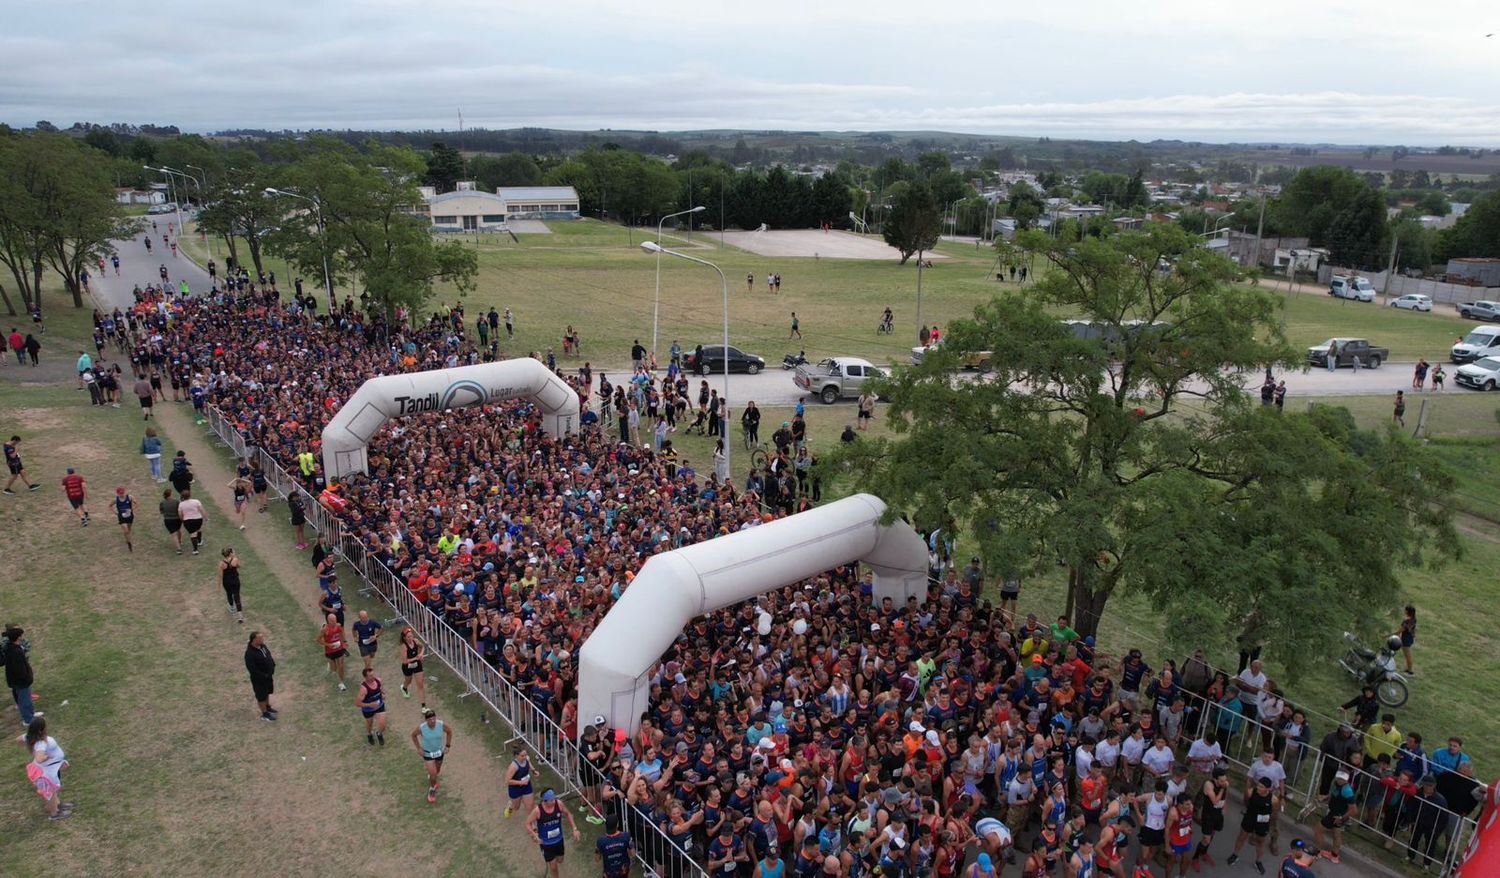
point(836, 378)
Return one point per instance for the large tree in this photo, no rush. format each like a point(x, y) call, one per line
point(368, 230)
point(1477, 232)
point(57, 209)
point(1126, 449)
point(445, 167)
point(1334, 208)
point(913, 224)
point(240, 208)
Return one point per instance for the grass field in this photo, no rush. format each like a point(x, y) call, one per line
point(140, 673)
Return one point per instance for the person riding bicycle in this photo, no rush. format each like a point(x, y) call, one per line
point(887, 321)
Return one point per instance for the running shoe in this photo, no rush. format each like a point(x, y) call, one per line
point(34, 488)
point(432, 795)
point(268, 717)
point(507, 812)
point(594, 819)
point(404, 693)
point(61, 815)
point(9, 493)
point(342, 687)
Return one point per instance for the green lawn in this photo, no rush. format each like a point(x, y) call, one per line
point(139, 671)
point(1313, 318)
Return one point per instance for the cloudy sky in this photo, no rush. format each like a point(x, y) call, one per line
point(1378, 71)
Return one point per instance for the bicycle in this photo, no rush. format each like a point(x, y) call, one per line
point(759, 451)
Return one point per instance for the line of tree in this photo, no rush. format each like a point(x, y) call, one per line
point(57, 213)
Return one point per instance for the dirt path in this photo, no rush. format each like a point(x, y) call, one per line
point(472, 775)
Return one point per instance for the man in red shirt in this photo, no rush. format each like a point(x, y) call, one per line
point(77, 491)
point(331, 635)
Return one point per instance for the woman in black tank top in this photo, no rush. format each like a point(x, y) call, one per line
point(413, 651)
point(229, 579)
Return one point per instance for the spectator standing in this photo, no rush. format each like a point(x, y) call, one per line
point(45, 769)
point(15, 649)
point(1427, 815)
point(262, 668)
point(1408, 635)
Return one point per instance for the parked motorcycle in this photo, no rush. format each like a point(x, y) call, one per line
point(792, 361)
point(1376, 669)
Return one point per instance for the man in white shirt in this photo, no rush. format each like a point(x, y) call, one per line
point(1159, 759)
point(1131, 751)
point(1205, 752)
point(1107, 753)
point(1266, 767)
point(1083, 759)
point(1252, 680)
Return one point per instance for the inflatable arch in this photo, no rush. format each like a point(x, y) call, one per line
point(1482, 859)
point(378, 400)
point(674, 587)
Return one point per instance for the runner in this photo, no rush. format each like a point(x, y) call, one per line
point(299, 517)
point(615, 849)
point(367, 633)
point(76, 490)
point(518, 780)
point(413, 651)
point(241, 487)
point(229, 580)
point(1210, 811)
point(331, 635)
point(1298, 864)
point(994, 835)
point(191, 513)
point(125, 514)
point(171, 516)
point(433, 739)
point(545, 824)
point(16, 467)
point(1180, 835)
point(259, 484)
point(371, 701)
point(1256, 823)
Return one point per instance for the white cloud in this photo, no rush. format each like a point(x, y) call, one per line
point(1284, 70)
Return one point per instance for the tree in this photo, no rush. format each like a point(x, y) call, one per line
point(509, 169)
point(1476, 233)
point(445, 167)
point(103, 140)
point(913, 224)
point(57, 208)
point(1025, 205)
point(1333, 208)
point(368, 231)
point(239, 207)
point(1131, 454)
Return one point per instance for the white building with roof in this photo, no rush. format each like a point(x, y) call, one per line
point(469, 209)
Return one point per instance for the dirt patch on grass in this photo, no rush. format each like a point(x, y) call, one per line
point(38, 419)
point(83, 452)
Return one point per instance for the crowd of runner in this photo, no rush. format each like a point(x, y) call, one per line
point(834, 736)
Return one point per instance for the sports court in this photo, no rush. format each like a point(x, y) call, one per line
point(812, 242)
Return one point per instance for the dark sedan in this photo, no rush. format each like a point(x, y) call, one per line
point(712, 361)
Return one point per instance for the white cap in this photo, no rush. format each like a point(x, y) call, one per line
point(932, 737)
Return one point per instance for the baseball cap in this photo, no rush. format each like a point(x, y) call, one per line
point(985, 865)
point(549, 796)
point(119, 490)
point(1036, 659)
point(916, 727)
point(599, 720)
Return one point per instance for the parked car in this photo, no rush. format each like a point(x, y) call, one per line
point(979, 360)
point(713, 361)
point(1482, 342)
point(1356, 288)
point(836, 378)
point(1355, 352)
point(1481, 374)
point(1413, 302)
point(1481, 310)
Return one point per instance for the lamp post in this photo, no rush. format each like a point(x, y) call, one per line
point(172, 189)
point(322, 244)
point(196, 185)
point(202, 202)
point(653, 247)
point(656, 302)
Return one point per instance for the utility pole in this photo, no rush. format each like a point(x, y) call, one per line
point(1390, 268)
point(920, 324)
point(1260, 227)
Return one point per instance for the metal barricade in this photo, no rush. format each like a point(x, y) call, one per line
point(541, 734)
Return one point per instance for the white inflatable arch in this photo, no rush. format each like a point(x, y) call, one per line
point(674, 587)
point(378, 400)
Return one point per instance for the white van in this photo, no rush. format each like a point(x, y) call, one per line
point(1356, 288)
point(1482, 342)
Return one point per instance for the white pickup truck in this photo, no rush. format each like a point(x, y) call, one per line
point(836, 378)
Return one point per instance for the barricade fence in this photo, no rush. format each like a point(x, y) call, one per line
point(1309, 774)
point(537, 729)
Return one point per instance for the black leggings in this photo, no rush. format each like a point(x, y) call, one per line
point(232, 594)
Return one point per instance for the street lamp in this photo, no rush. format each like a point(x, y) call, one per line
point(653, 247)
point(202, 202)
point(656, 302)
point(172, 189)
point(322, 244)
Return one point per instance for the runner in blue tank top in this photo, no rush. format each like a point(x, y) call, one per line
point(125, 514)
point(518, 781)
point(371, 699)
point(771, 866)
point(546, 827)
